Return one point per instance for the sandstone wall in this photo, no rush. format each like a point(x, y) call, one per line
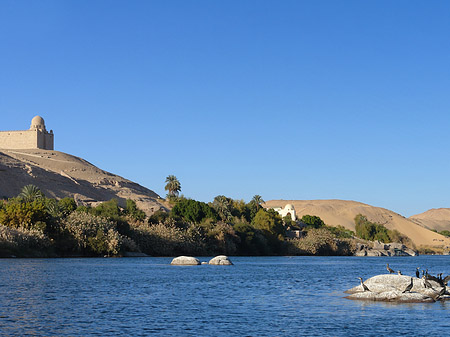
point(27, 139)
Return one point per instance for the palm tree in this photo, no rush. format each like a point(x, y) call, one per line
point(223, 206)
point(257, 200)
point(173, 186)
point(30, 193)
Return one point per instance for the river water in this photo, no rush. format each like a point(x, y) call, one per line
point(258, 296)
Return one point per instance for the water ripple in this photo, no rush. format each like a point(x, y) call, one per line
point(263, 296)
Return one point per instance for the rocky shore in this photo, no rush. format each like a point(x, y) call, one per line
point(384, 249)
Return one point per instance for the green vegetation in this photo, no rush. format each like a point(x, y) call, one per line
point(341, 232)
point(320, 241)
point(312, 221)
point(269, 222)
point(192, 211)
point(133, 211)
point(371, 231)
point(367, 230)
point(31, 193)
point(445, 233)
point(33, 225)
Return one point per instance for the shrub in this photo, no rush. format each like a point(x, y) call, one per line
point(192, 211)
point(396, 236)
point(23, 242)
point(341, 232)
point(67, 206)
point(376, 232)
point(445, 233)
point(17, 214)
point(318, 241)
point(369, 230)
point(312, 221)
point(252, 241)
point(427, 251)
point(269, 222)
point(93, 234)
point(160, 239)
point(157, 217)
point(108, 209)
point(222, 239)
point(132, 210)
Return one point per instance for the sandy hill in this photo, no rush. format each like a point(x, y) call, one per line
point(61, 175)
point(436, 218)
point(342, 212)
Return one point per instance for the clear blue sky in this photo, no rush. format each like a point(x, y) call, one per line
point(286, 99)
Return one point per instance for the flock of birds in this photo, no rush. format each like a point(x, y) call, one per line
point(443, 282)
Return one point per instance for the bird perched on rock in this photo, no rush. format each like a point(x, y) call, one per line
point(409, 287)
point(417, 272)
point(433, 278)
point(363, 285)
point(446, 279)
point(441, 293)
point(426, 284)
point(399, 272)
point(390, 270)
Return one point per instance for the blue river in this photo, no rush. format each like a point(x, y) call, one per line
point(258, 296)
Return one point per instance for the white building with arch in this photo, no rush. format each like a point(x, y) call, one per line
point(288, 209)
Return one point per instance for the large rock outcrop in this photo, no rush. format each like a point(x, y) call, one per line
point(221, 260)
point(389, 288)
point(61, 175)
point(185, 261)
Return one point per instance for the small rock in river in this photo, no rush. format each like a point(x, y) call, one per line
point(185, 261)
point(221, 260)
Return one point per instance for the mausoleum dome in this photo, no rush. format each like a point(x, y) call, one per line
point(37, 123)
point(288, 206)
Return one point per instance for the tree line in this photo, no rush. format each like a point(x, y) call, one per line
point(33, 225)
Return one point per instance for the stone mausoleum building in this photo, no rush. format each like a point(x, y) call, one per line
point(36, 137)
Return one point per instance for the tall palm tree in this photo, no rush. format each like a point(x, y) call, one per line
point(223, 206)
point(173, 186)
point(257, 200)
point(30, 193)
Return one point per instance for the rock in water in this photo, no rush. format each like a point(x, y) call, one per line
point(185, 261)
point(390, 287)
point(221, 260)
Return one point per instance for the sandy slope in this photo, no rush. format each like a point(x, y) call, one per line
point(342, 212)
point(436, 218)
point(60, 175)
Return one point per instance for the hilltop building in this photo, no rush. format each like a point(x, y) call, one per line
point(288, 209)
point(36, 137)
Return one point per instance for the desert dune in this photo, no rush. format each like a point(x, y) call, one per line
point(343, 212)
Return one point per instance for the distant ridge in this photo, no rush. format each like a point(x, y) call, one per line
point(343, 212)
point(61, 175)
point(436, 218)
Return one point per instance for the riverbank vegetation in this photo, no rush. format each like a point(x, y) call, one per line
point(33, 225)
point(372, 231)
